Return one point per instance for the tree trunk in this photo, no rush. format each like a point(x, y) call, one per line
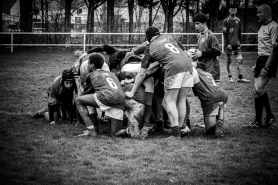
point(130, 14)
point(187, 20)
point(42, 16)
point(110, 19)
point(26, 7)
point(1, 10)
point(90, 21)
point(68, 20)
point(150, 14)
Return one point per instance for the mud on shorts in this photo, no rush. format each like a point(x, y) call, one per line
point(212, 109)
point(183, 79)
point(110, 111)
point(261, 61)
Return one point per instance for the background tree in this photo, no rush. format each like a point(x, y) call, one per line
point(169, 7)
point(130, 15)
point(1, 10)
point(150, 4)
point(26, 21)
point(92, 6)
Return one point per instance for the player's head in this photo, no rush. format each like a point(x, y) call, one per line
point(67, 78)
point(151, 32)
point(77, 53)
point(233, 10)
point(96, 61)
point(200, 22)
point(264, 14)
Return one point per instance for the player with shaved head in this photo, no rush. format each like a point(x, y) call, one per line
point(266, 66)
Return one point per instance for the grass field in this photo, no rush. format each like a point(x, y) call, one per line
point(34, 152)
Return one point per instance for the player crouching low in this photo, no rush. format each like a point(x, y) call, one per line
point(60, 98)
point(213, 100)
point(107, 94)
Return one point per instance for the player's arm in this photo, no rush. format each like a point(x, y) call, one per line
point(225, 31)
point(214, 49)
point(152, 69)
point(273, 55)
point(141, 74)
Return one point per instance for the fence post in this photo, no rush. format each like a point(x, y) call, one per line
point(222, 42)
point(12, 40)
point(84, 42)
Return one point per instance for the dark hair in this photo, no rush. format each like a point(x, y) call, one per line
point(151, 32)
point(109, 49)
point(200, 17)
point(97, 60)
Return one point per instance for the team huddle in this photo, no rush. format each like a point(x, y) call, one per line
point(152, 79)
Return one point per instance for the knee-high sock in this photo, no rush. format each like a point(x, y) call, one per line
point(147, 113)
point(259, 108)
point(266, 104)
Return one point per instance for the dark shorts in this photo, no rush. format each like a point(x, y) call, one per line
point(235, 50)
point(261, 61)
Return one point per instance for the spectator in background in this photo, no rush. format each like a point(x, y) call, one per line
point(232, 35)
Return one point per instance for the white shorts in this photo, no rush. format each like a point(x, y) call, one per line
point(110, 111)
point(149, 85)
point(196, 78)
point(184, 79)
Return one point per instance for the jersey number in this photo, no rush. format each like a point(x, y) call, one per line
point(172, 48)
point(111, 83)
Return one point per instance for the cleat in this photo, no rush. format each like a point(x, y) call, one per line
point(88, 133)
point(39, 113)
point(144, 132)
point(253, 125)
point(185, 131)
point(243, 80)
point(269, 120)
point(219, 129)
point(201, 125)
point(231, 80)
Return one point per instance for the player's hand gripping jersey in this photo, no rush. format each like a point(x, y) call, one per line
point(170, 53)
point(108, 88)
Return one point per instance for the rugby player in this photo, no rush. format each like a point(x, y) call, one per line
point(166, 50)
point(107, 94)
point(208, 46)
point(265, 67)
point(60, 98)
point(213, 100)
point(232, 35)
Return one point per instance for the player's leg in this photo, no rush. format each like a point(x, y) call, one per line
point(170, 105)
point(116, 119)
point(149, 90)
point(219, 132)
point(229, 53)
point(239, 67)
point(229, 61)
point(81, 103)
point(261, 100)
point(157, 107)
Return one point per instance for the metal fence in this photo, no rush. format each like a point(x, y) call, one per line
point(13, 39)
